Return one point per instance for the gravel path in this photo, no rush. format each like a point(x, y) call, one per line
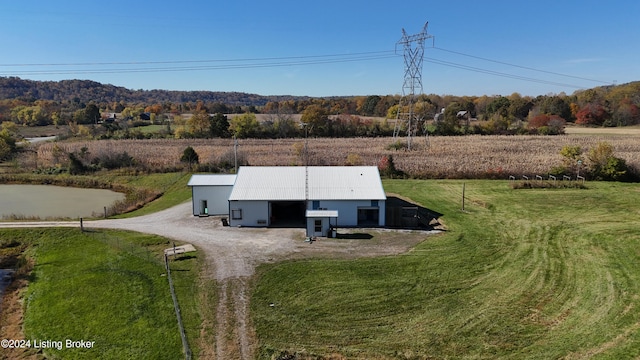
point(234, 254)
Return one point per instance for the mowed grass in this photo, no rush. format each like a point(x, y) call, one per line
point(535, 274)
point(108, 287)
point(172, 185)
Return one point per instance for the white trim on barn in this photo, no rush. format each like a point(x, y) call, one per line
point(210, 193)
point(280, 195)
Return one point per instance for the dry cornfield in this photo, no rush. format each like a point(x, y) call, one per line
point(442, 157)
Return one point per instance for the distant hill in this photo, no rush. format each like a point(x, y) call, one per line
point(87, 90)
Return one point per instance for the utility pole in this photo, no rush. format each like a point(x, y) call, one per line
point(306, 163)
point(413, 59)
point(235, 153)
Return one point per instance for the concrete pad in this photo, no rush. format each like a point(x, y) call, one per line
point(179, 250)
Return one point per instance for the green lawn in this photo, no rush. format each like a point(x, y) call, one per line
point(535, 274)
point(173, 185)
point(109, 287)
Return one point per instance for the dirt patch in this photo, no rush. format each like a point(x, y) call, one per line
point(12, 313)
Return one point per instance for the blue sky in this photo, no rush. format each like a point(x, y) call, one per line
point(323, 48)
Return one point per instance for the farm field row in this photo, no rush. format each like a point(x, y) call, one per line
point(435, 157)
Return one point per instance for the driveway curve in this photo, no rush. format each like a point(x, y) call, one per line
point(233, 254)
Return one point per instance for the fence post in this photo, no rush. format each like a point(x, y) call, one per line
point(185, 344)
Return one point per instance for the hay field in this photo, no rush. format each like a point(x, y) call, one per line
point(440, 157)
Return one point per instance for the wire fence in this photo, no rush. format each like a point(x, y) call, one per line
point(142, 253)
point(183, 335)
point(123, 245)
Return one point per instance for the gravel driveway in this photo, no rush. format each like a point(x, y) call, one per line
point(234, 253)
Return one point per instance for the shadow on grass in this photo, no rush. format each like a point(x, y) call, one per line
point(402, 214)
point(185, 257)
point(354, 236)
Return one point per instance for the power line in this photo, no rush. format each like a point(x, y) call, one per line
point(346, 56)
point(249, 63)
point(501, 74)
point(520, 66)
point(236, 64)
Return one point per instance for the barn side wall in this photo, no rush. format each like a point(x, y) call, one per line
point(217, 199)
point(253, 213)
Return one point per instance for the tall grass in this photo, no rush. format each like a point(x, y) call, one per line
point(439, 157)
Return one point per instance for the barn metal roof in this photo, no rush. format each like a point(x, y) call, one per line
point(325, 183)
point(212, 180)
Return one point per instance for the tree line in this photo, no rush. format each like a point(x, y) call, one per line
point(32, 103)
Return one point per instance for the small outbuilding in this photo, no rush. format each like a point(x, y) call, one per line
point(316, 197)
point(210, 193)
point(322, 222)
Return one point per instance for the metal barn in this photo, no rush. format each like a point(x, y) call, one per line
point(316, 197)
point(210, 193)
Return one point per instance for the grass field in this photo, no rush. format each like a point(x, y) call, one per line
point(536, 274)
point(109, 287)
point(172, 185)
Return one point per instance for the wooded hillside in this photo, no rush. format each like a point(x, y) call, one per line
point(90, 91)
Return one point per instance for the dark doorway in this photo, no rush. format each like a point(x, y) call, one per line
point(287, 213)
point(204, 209)
point(368, 216)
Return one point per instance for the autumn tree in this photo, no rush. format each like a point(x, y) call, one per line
point(449, 124)
point(317, 120)
point(198, 124)
point(500, 106)
point(519, 106)
point(154, 109)
point(245, 126)
point(30, 116)
point(7, 139)
point(554, 105)
point(603, 165)
point(572, 157)
point(592, 114)
point(627, 113)
point(547, 124)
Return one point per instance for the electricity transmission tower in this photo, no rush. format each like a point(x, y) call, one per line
point(406, 117)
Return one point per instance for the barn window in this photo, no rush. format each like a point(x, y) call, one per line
point(374, 203)
point(236, 214)
point(317, 226)
point(315, 205)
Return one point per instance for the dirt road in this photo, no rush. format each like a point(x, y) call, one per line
point(233, 254)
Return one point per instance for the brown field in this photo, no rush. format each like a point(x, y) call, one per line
point(443, 157)
point(579, 130)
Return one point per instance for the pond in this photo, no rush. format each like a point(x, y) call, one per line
point(45, 201)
